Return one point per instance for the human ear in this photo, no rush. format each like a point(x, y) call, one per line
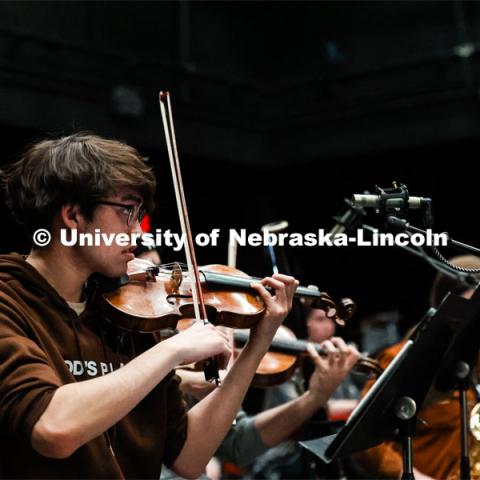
point(71, 216)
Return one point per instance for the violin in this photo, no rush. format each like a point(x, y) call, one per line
point(278, 365)
point(280, 362)
point(150, 298)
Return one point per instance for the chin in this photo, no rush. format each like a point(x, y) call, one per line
point(115, 271)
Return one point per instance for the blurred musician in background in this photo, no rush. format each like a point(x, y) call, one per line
point(437, 440)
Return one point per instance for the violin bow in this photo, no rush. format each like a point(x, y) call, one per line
point(210, 366)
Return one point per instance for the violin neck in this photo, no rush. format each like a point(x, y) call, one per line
point(291, 346)
point(244, 283)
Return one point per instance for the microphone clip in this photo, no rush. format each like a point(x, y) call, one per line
point(396, 192)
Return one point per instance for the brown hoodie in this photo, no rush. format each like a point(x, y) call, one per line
point(43, 345)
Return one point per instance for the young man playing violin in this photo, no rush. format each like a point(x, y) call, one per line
point(252, 436)
point(78, 397)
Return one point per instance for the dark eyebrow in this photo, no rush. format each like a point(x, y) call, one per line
point(133, 197)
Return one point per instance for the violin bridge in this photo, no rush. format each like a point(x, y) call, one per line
point(176, 277)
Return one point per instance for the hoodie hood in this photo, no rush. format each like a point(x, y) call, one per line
point(15, 269)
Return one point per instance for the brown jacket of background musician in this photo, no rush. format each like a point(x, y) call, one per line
point(436, 445)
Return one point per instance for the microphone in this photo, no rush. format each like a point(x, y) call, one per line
point(351, 217)
point(343, 222)
point(375, 201)
point(274, 227)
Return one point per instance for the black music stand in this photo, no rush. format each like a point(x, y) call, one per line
point(389, 410)
point(455, 372)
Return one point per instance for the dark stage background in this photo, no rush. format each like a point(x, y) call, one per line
point(281, 110)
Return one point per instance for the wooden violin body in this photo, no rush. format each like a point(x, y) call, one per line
point(149, 298)
point(278, 365)
point(149, 303)
point(274, 369)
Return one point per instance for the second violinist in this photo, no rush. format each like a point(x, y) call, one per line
point(79, 398)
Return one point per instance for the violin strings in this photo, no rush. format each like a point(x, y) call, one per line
point(184, 268)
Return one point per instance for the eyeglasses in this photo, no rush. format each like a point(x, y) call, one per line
point(131, 211)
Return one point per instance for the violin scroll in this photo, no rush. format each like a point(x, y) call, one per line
point(339, 312)
point(346, 310)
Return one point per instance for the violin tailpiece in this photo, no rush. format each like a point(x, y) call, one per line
point(176, 277)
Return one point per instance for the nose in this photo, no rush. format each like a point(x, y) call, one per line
point(136, 228)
